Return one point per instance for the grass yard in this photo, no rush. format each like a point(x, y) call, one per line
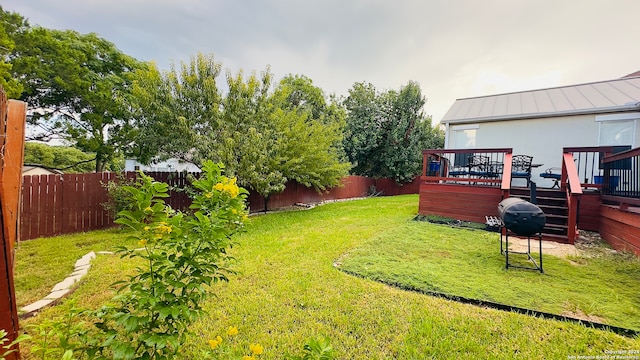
point(288, 290)
point(42, 263)
point(600, 287)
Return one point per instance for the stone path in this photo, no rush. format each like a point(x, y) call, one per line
point(64, 287)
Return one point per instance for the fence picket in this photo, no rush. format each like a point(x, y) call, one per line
point(63, 204)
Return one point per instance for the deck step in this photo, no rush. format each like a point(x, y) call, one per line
point(553, 204)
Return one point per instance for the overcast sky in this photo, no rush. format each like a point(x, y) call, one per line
point(452, 48)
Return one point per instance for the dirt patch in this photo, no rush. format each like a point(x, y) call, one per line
point(548, 247)
point(578, 314)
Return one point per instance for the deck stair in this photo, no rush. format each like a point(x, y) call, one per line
point(554, 205)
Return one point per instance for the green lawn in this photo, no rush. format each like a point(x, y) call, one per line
point(467, 263)
point(288, 290)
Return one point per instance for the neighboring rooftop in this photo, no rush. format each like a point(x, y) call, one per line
point(36, 169)
point(598, 97)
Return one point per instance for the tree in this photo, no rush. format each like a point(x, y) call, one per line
point(10, 25)
point(263, 136)
point(177, 112)
point(312, 154)
point(77, 87)
point(363, 131)
point(386, 132)
point(65, 158)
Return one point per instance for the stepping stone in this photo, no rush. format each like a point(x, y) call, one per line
point(86, 260)
point(36, 306)
point(55, 295)
point(81, 271)
point(66, 283)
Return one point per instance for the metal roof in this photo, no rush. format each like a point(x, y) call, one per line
point(592, 98)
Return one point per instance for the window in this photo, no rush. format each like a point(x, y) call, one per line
point(617, 129)
point(616, 132)
point(463, 137)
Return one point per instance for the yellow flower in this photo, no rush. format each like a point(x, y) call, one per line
point(248, 357)
point(256, 349)
point(232, 331)
point(215, 342)
point(148, 209)
point(218, 186)
point(146, 228)
point(208, 195)
point(142, 242)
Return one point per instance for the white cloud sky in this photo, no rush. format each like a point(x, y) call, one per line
point(452, 48)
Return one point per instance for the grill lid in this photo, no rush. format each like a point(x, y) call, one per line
point(521, 217)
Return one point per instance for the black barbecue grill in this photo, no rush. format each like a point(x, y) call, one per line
point(521, 218)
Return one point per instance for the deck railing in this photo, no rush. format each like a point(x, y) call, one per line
point(571, 184)
point(484, 167)
point(588, 163)
point(621, 178)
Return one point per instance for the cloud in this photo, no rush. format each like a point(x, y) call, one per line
point(453, 48)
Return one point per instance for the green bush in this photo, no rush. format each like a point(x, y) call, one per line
point(184, 254)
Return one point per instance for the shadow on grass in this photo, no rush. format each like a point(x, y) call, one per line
point(465, 265)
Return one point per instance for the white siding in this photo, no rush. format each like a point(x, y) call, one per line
point(543, 138)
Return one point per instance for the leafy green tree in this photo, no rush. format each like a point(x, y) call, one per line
point(177, 112)
point(77, 87)
point(65, 158)
point(386, 132)
point(252, 140)
point(265, 137)
point(10, 25)
point(312, 152)
point(363, 131)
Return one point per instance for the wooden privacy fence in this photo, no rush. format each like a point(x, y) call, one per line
point(64, 204)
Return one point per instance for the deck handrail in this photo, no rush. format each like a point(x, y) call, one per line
point(464, 151)
point(506, 172)
point(621, 155)
point(574, 191)
point(622, 178)
point(570, 174)
point(477, 166)
point(605, 149)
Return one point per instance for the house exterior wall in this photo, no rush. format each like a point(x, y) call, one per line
point(542, 138)
point(168, 165)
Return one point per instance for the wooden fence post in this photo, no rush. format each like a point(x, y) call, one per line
point(12, 124)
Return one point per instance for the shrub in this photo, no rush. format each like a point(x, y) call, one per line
point(183, 255)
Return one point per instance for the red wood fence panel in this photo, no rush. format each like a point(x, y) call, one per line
point(63, 204)
point(69, 203)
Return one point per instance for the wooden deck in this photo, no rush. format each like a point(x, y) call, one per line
point(462, 202)
point(575, 206)
point(621, 227)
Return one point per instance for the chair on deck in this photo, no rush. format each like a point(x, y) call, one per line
point(459, 166)
point(479, 166)
point(521, 167)
point(553, 174)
